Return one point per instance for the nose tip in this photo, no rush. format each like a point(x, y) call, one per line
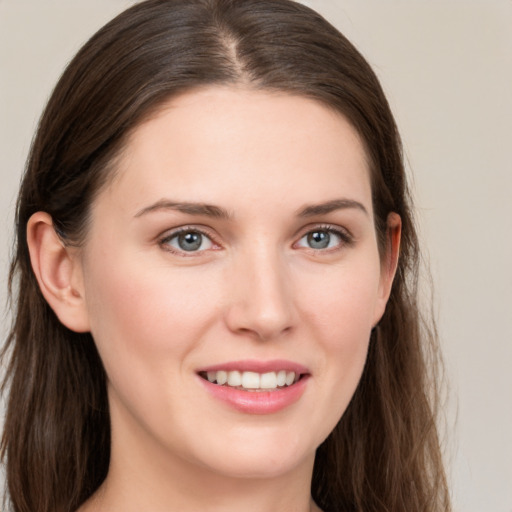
point(264, 327)
point(262, 304)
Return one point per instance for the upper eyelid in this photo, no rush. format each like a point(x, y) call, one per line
point(206, 231)
point(170, 233)
point(346, 239)
point(334, 228)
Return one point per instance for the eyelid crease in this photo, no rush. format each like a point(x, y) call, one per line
point(171, 233)
point(345, 233)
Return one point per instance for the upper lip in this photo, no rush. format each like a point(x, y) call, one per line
point(257, 366)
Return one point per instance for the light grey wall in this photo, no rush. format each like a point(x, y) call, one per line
point(447, 69)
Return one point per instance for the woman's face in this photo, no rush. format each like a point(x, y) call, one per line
point(237, 242)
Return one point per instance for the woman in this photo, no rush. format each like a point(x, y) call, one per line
point(218, 270)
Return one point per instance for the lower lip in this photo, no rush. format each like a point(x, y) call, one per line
point(257, 402)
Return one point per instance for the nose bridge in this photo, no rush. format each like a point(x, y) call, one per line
point(262, 302)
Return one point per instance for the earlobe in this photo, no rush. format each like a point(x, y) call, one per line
point(58, 272)
point(389, 262)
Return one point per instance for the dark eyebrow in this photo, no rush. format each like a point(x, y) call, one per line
point(331, 206)
point(207, 210)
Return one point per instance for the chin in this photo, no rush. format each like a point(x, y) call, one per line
point(260, 456)
point(259, 467)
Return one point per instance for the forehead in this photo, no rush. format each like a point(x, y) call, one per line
point(220, 143)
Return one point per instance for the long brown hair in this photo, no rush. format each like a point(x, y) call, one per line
point(384, 453)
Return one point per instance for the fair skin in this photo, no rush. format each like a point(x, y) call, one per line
point(280, 271)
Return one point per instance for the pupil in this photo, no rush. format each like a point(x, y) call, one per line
point(319, 239)
point(190, 241)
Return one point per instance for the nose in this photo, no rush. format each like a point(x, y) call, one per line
point(261, 302)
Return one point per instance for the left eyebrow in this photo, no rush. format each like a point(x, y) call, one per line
point(331, 206)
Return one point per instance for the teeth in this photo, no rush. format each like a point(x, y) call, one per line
point(253, 380)
point(234, 379)
point(268, 380)
point(281, 378)
point(222, 377)
point(250, 380)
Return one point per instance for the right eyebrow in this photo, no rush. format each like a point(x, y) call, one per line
point(204, 209)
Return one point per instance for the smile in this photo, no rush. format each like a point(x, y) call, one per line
point(252, 381)
point(255, 387)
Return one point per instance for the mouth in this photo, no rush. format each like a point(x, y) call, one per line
point(252, 381)
point(256, 387)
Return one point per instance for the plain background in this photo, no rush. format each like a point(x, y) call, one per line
point(447, 69)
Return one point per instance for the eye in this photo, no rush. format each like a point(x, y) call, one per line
point(188, 240)
point(323, 238)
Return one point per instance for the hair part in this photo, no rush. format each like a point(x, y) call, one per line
point(384, 454)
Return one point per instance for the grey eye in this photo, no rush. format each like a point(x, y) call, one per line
point(189, 241)
point(320, 239)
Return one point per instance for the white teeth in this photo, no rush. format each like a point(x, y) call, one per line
point(252, 380)
point(234, 379)
point(222, 377)
point(290, 377)
point(281, 378)
point(268, 380)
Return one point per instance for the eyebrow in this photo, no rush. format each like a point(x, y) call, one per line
point(207, 210)
point(331, 206)
point(210, 210)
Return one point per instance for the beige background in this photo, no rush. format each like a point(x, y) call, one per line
point(447, 69)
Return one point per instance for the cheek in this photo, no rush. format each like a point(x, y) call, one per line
point(146, 321)
point(346, 322)
point(343, 300)
point(141, 312)
point(340, 314)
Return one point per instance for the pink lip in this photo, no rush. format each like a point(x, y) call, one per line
point(257, 402)
point(252, 365)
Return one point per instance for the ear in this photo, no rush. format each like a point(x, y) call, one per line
point(389, 263)
point(58, 271)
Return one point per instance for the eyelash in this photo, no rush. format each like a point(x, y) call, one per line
point(346, 239)
point(164, 241)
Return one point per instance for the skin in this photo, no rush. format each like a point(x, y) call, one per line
point(255, 289)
